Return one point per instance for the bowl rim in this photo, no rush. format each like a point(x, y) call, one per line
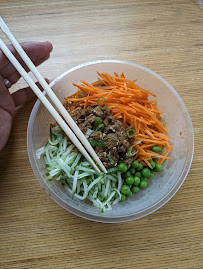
point(108, 219)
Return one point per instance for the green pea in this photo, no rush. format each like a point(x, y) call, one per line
point(143, 184)
point(158, 167)
point(129, 194)
point(156, 149)
point(129, 180)
point(138, 174)
point(152, 164)
point(136, 181)
point(122, 167)
point(135, 164)
point(140, 167)
point(151, 176)
point(132, 170)
point(123, 197)
point(126, 174)
point(135, 189)
point(143, 178)
point(125, 189)
point(145, 172)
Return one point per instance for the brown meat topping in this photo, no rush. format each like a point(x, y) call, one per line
point(113, 136)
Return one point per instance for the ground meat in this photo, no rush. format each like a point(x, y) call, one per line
point(113, 134)
point(90, 119)
point(112, 141)
point(84, 127)
point(88, 110)
point(106, 122)
point(114, 125)
point(127, 161)
point(122, 148)
point(87, 123)
point(102, 156)
point(96, 135)
point(77, 113)
point(98, 112)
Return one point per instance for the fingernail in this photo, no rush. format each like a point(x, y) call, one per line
point(50, 46)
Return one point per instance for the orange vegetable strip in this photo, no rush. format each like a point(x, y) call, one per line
point(147, 145)
point(156, 155)
point(129, 102)
point(153, 141)
point(165, 155)
point(86, 101)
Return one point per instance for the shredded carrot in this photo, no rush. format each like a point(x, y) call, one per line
point(129, 103)
point(160, 161)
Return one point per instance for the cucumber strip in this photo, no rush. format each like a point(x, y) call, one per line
point(120, 181)
point(75, 163)
point(64, 167)
point(107, 188)
point(75, 182)
point(112, 178)
point(40, 152)
point(94, 182)
point(66, 164)
point(110, 197)
point(81, 168)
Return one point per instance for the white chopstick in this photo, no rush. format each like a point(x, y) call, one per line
point(52, 96)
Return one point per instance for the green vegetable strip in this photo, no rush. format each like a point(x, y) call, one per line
point(78, 186)
point(75, 182)
point(76, 161)
point(94, 182)
point(97, 143)
point(97, 122)
point(54, 172)
point(120, 181)
point(66, 164)
point(110, 159)
point(110, 197)
point(68, 151)
point(64, 167)
point(48, 159)
point(104, 137)
point(100, 127)
point(88, 133)
point(85, 169)
point(107, 188)
point(40, 152)
point(112, 170)
point(101, 107)
point(70, 159)
point(130, 133)
point(131, 152)
point(112, 178)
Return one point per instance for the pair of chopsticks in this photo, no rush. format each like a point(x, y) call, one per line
point(75, 135)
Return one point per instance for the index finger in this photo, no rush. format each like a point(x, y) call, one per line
point(35, 50)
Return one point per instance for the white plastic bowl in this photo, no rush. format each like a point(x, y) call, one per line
point(163, 186)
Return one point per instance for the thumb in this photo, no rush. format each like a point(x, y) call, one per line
point(22, 96)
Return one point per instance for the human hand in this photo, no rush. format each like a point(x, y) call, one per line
point(38, 53)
